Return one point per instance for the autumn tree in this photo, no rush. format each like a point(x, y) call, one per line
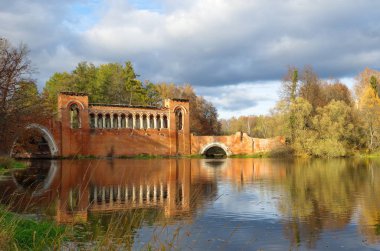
point(19, 97)
point(366, 89)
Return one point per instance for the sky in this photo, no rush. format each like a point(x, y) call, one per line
point(234, 53)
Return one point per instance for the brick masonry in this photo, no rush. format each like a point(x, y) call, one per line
point(137, 130)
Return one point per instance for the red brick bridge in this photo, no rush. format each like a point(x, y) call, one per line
point(82, 129)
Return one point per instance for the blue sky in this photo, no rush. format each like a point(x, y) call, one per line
point(235, 53)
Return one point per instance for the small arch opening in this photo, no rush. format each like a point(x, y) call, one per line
point(151, 121)
point(215, 152)
point(100, 120)
point(165, 122)
point(178, 119)
point(92, 120)
point(74, 116)
point(158, 121)
point(145, 121)
point(115, 122)
point(123, 121)
point(130, 121)
point(137, 123)
point(108, 121)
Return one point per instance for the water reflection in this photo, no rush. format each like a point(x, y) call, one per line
point(310, 198)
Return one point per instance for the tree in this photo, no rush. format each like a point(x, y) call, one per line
point(19, 97)
point(289, 94)
point(310, 88)
point(369, 106)
point(334, 129)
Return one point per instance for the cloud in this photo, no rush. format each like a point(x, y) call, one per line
point(242, 99)
point(209, 43)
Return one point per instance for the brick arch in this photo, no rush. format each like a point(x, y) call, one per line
point(71, 102)
point(215, 144)
point(180, 107)
point(54, 151)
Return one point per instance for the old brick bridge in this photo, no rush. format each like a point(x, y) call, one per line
point(82, 128)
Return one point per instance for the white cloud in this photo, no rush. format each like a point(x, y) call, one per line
point(214, 43)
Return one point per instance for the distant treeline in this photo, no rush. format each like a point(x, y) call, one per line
point(317, 117)
point(115, 83)
point(320, 117)
point(111, 83)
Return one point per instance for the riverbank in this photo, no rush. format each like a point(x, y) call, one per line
point(21, 233)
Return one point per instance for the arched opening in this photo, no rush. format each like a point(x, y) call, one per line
point(215, 152)
point(178, 119)
point(165, 122)
point(115, 122)
point(100, 120)
point(158, 121)
point(151, 121)
point(123, 122)
point(92, 120)
point(108, 121)
point(74, 116)
point(35, 142)
point(137, 122)
point(130, 121)
point(145, 121)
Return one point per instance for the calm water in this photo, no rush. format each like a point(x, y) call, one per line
point(228, 204)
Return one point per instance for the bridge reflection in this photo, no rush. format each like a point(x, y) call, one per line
point(311, 196)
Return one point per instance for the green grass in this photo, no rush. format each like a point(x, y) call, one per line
point(370, 155)
point(21, 233)
point(7, 163)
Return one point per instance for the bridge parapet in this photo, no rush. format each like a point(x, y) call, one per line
point(238, 143)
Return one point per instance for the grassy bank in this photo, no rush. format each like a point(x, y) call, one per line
point(7, 163)
point(20, 233)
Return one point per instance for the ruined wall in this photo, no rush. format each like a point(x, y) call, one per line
point(119, 141)
point(239, 143)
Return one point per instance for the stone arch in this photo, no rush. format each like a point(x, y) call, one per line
point(215, 144)
point(46, 135)
point(179, 112)
point(181, 107)
point(71, 102)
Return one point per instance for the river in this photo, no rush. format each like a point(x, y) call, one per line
point(204, 204)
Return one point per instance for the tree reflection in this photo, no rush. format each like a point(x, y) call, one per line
point(319, 195)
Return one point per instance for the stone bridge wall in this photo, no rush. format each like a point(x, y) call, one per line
point(239, 143)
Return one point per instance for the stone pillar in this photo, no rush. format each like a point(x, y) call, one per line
point(126, 194)
point(155, 121)
point(141, 122)
point(162, 121)
point(111, 119)
point(134, 121)
point(104, 121)
point(118, 121)
point(148, 121)
point(96, 120)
